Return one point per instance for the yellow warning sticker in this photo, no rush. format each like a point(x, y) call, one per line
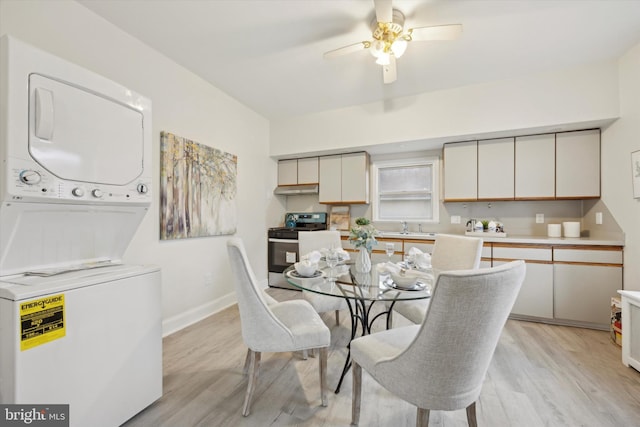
point(41, 321)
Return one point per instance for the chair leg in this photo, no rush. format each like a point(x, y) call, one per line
point(422, 419)
point(305, 354)
point(356, 393)
point(337, 317)
point(471, 415)
point(323, 374)
point(247, 361)
point(390, 319)
point(254, 367)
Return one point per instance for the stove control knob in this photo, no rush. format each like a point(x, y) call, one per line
point(30, 177)
point(78, 192)
point(97, 193)
point(142, 188)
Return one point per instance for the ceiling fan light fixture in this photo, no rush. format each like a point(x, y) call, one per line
point(383, 59)
point(377, 48)
point(398, 47)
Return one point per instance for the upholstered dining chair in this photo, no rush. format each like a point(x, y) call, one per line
point(271, 326)
point(450, 252)
point(441, 364)
point(309, 241)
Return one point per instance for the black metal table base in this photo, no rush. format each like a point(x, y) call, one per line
point(360, 315)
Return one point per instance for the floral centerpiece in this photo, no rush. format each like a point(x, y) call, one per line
point(363, 237)
point(363, 234)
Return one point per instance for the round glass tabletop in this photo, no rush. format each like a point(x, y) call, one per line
point(345, 282)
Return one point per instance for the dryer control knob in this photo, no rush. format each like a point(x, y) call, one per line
point(97, 193)
point(142, 188)
point(78, 192)
point(30, 177)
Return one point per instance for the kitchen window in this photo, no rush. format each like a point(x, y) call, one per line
point(406, 190)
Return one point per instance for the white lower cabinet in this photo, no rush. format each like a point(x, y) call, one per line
point(583, 292)
point(564, 284)
point(536, 294)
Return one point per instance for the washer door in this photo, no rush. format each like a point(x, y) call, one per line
point(79, 135)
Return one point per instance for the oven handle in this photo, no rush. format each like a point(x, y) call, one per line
point(274, 240)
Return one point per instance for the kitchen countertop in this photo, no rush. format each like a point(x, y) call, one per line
point(525, 239)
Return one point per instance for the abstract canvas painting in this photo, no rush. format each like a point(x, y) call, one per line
point(197, 189)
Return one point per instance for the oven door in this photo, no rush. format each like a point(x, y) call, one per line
point(282, 253)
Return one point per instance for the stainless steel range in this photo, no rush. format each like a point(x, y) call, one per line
point(283, 243)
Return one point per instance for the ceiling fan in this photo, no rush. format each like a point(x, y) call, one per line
point(390, 39)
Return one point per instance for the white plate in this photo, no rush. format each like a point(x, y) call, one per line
point(341, 258)
point(296, 275)
point(419, 286)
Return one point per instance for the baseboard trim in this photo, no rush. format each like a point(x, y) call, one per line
point(196, 314)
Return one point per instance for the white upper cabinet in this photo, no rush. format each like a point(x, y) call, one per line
point(330, 179)
point(578, 164)
point(538, 167)
point(344, 178)
point(495, 169)
point(535, 167)
point(308, 170)
point(288, 172)
point(461, 171)
point(298, 171)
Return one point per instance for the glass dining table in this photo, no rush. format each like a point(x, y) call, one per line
point(361, 291)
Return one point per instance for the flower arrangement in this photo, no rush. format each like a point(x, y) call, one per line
point(363, 234)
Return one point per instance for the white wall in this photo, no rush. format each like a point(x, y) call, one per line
point(619, 140)
point(573, 96)
point(187, 106)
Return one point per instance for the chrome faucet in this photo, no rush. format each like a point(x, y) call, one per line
point(405, 228)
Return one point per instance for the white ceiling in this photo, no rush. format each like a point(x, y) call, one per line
point(268, 53)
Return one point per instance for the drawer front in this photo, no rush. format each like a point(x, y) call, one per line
point(591, 256)
point(486, 251)
point(527, 253)
point(382, 243)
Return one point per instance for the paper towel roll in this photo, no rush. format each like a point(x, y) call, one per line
point(571, 229)
point(554, 230)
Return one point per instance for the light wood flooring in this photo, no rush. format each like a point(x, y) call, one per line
point(541, 375)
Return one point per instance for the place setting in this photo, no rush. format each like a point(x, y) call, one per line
point(412, 274)
point(312, 265)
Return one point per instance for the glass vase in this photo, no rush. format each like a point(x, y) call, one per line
point(363, 261)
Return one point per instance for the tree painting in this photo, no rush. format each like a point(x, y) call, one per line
point(197, 189)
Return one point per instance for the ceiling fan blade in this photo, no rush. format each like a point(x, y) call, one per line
point(389, 74)
point(436, 32)
point(346, 50)
point(384, 10)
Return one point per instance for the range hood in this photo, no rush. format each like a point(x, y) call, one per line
point(292, 190)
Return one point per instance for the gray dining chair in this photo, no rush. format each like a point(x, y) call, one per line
point(271, 326)
point(441, 363)
point(309, 241)
point(450, 252)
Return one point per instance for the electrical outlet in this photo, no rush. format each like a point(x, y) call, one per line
point(599, 218)
point(539, 218)
point(455, 219)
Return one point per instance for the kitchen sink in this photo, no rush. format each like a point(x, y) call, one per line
point(409, 234)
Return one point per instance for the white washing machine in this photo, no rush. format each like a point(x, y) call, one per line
point(90, 338)
point(77, 326)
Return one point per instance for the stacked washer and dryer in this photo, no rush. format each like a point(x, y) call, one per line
point(77, 325)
